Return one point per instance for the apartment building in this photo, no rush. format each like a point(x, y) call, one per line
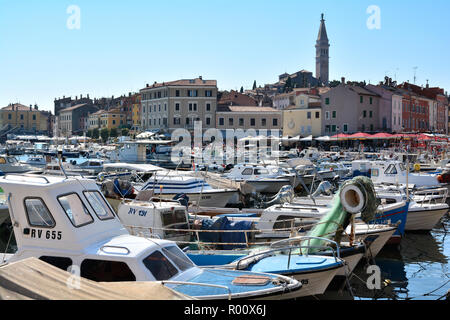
point(178, 104)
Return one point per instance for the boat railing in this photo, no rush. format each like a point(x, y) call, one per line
point(199, 284)
point(432, 196)
point(336, 253)
point(150, 232)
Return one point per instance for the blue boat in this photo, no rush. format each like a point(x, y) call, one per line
point(315, 272)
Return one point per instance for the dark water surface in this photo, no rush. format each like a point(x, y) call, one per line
point(417, 269)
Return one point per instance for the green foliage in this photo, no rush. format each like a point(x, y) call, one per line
point(95, 133)
point(104, 133)
point(113, 133)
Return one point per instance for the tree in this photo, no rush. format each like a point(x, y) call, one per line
point(113, 133)
point(95, 133)
point(89, 134)
point(104, 133)
point(125, 131)
point(334, 83)
point(242, 90)
point(254, 85)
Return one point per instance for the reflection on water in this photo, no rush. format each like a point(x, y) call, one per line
point(416, 269)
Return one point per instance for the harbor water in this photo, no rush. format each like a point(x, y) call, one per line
point(417, 269)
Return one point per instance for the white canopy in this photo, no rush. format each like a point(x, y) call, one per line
point(310, 138)
point(297, 138)
point(145, 135)
point(324, 138)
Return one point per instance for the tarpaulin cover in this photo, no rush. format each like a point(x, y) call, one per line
point(225, 237)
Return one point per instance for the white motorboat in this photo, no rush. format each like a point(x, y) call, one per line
point(264, 179)
point(67, 222)
point(9, 164)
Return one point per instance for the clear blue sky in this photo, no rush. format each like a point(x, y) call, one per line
point(122, 45)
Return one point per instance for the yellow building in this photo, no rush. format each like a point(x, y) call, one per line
point(136, 114)
point(112, 119)
point(27, 119)
point(302, 122)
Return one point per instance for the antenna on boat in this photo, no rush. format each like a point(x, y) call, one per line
point(60, 163)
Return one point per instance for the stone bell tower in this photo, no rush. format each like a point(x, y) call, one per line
point(322, 57)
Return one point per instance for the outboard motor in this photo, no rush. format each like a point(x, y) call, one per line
point(285, 195)
point(324, 187)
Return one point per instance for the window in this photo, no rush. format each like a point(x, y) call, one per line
point(38, 214)
point(247, 172)
point(208, 121)
point(370, 114)
point(327, 128)
point(334, 114)
point(159, 266)
point(263, 122)
point(178, 257)
point(230, 121)
point(361, 99)
point(252, 122)
point(177, 93)
point(371, 100)
point(208, 107)
point(333, 128)
point(327, 115)
point(391, 169)
point(317, 115)
point(275, 121)
point(308, 115)
point(364, 114)
point(99, 205)
point(9, 116)
point(190, 106)
point(34, 117)
point(327, 101)
point(241, 122)
point(177, 107)
point(345, 127)
point(208, 93)
point(106, 271)
point(59, 262)
point(221, 121)
point(75, 210)
point(195, 107)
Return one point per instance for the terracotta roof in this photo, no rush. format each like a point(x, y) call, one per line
point(249, 109)
point(73, 107)
point(17, 106)
point(184, 82)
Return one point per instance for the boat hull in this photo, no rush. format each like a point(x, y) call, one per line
point(424, 220)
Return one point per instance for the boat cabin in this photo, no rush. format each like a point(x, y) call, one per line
point(68, 222)
point(245, 172)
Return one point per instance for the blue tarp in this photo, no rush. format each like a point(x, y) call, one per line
point(225, 237)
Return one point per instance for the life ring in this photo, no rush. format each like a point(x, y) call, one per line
point(352, 199)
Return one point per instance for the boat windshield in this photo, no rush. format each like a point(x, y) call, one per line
point(99, 205)
point(75, 210)
point(159, 266)
point(178, 257)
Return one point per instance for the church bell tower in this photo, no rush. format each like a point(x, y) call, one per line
point(322, 57)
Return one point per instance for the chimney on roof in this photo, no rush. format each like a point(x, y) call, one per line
point(428, 86)
point(36, 107)
point(81, 96)
point(200, 77)
point(343, 80)
point(76, 97)
point(147, 85)
point(88, 95)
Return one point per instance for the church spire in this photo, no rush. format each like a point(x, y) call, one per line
point(322, 31)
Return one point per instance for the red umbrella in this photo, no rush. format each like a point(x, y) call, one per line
point(382, 135)
point(360, 135)
point(340, 136)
